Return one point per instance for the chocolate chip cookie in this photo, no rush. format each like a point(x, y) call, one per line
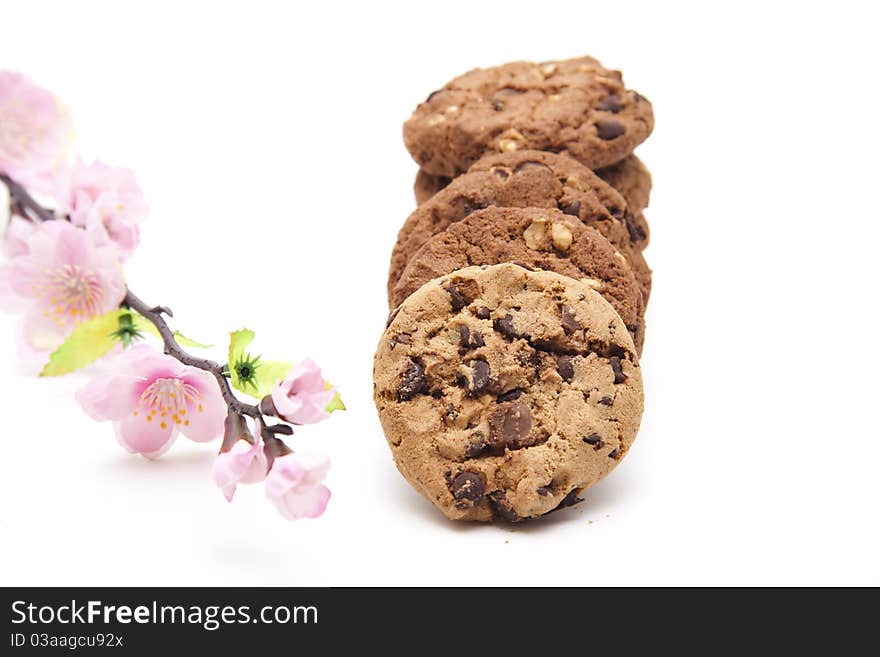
point(527, 179)
point(503, 392)
point(574, 105)
point(631, 178)
point(536, 239)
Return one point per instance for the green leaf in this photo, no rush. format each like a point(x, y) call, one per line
point(142, 324)
point(335, 403)
point(251, 374)
point(270, 372)
point(238, 342)
point(86, 343)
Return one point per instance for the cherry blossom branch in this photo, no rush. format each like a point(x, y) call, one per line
point(75, 246)
point(25, 201)
point(154, 315)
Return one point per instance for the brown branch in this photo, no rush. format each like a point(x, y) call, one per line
point(153, 314)
point(25, 200)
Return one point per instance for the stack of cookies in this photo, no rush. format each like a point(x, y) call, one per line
point(507, 380)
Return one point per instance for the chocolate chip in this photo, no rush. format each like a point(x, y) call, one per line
point(611, 103)
point(569, 500)
point(619, 376)
point(510, 395)
point(464, 336)
point(595, 440)
point(413, 382)
point(469, 340)
point(499, 100)
point(510, 425)
point(432, 95)
point(482, 312)
point(449, 413)
point(457, 298)
point(637, 97)
point(504, 174)
point(636, 232)
point(574, 209)
point(477, 445)
point(565, 367)
point(569, 321)
point(608, 129)
point(505, 327)
point(391, 316)
point(501, 506)
point(479, 378)
point(544, 491)
point(614, 453)
point(468, 486)
point(606, 400)
point(472, 206)
point(401, 338)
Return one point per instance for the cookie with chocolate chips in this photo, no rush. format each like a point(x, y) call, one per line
point(504, 392)
point(527, 179)
point(575, 105)
point(535, 238)
point(632, 179)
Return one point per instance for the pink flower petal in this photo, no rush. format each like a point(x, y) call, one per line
point(149, 438)
point(294, 485)
point(9, 300)
point(245, 463)
point(109, 398)
point(206, 414)
point(44, 334)
point(15, 239)
point(301, 397)
point(308, 504)
point(36, 132)
point(107, 201)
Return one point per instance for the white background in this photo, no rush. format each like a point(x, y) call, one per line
point(268, 139)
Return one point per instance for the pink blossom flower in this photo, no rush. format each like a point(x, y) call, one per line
point(16, 236)
point(35, 131)
point(301, 398)
point(294, 485)
point(105, 200)
point(150, 397)
point(63, 279)
point(240, 461)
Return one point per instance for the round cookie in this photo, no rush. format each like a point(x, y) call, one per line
point(527, 179)
point(631, 178)
point(503, 392)
point(536, 239)
point(574, 105)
